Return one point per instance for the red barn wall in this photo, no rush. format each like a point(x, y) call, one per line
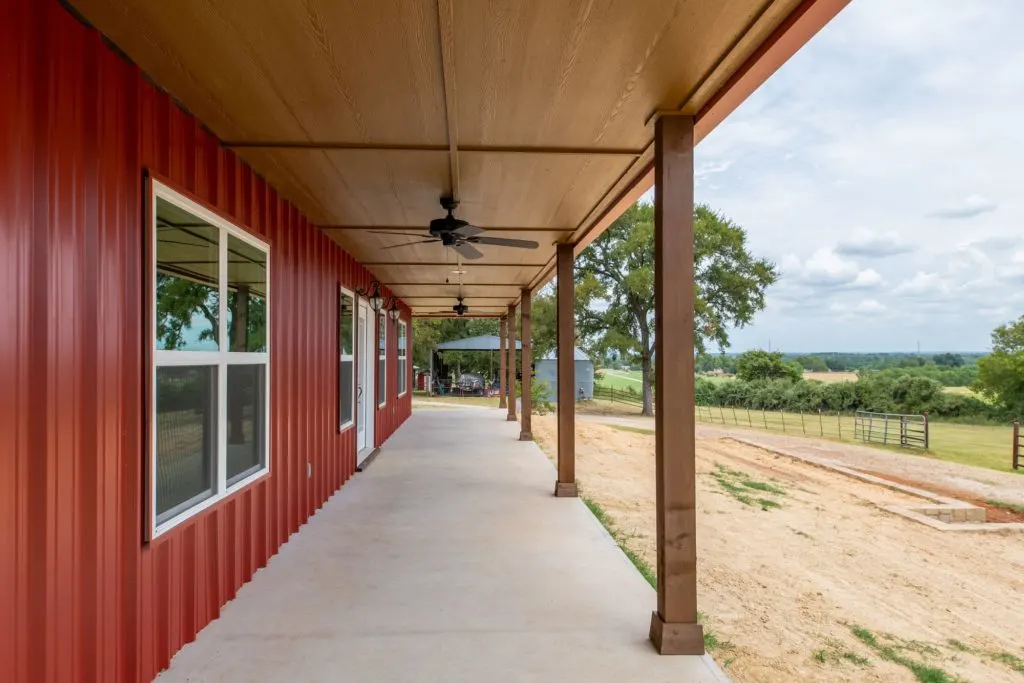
point(82, 599)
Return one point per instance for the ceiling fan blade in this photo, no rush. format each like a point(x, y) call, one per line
point(468, 230)
point(505, 242)
point(467, 251)
point(406, 244)
point(403, 234)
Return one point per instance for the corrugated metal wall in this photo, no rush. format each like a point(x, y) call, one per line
point(81, 598)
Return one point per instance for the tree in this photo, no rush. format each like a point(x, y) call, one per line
point(765, 365)
point(812, 363)
point(1001, 374)
point(950, 360)
point(615, 285)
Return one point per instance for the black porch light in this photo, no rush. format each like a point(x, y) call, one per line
point(393, 312)
point(373, 296)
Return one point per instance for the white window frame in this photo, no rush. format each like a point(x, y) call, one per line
point(382, 317)
point(343, 291)
point(221, 359)
point(401, 357)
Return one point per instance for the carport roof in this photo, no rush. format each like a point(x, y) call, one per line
point(487, 342)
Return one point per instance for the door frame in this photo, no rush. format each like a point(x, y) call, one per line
point(366, 381)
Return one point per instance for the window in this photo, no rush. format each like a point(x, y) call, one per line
point(402, 368)
point(346, 366)
point(382, 358)
point(210, 419)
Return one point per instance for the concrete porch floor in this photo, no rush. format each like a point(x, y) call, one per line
point(448, 560)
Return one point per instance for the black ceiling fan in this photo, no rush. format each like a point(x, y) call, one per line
point(459, 235)
point(460, 308)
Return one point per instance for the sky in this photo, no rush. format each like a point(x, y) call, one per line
point(882, 170)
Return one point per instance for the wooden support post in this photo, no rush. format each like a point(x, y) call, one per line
point(502, 399)
point(674, 626)
point(511, 325)
point(1016, 444)
point(525, 416)
point(565, 304)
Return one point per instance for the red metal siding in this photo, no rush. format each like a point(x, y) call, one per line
point(82, 598)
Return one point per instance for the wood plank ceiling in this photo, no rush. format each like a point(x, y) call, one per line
point(537, 115)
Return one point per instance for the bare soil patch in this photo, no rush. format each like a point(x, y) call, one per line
point(822, 585)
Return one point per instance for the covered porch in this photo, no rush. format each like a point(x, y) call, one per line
point(447, 560)
point(421, 158)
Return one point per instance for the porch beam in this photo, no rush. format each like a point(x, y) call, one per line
point(434, 283)
point(674, 626)
point(446, 31)
point(565, 486)
point(510, 347)
point(502, 399)
point(326, 145)
point(405, 228)
point(452, 265)
point(525, 311)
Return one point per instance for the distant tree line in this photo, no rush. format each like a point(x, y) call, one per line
point(768, 381)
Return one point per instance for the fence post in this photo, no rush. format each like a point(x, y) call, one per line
point(926, 430)
point(903, 430)
point(749, 422)
point(765, 417)
point(821, 424)
point(734, 420)
point(783, 416)
point(1016, 444)
point(885, 433)
point(871, 428)
point(802, 425)
point(839, 423)
point(722, 413)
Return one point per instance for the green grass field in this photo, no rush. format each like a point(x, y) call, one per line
point(621, 379)
point(978, 445)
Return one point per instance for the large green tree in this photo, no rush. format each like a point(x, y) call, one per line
point(615, 285)
point(753, 366)
point(1001, 373)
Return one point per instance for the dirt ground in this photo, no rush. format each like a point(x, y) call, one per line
point(804, 578)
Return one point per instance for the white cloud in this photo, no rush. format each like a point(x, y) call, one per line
point(895, 115)
point(866, 279)
point(974, 205)
point(870, 306)
point(825, 267)
point(871, 244)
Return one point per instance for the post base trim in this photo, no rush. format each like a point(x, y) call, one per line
point(511, 418)
point(676, 638)
point(566, 490)
point(502, 404)
point(526, 436)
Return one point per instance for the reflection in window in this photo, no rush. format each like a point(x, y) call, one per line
point(246, 417)
point(247, 296)
point(186, 437)
point(346, 331)
point(402, 363)
point(187, 280)
point(210, 422)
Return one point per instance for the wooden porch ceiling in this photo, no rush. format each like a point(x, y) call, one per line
point(534, 114)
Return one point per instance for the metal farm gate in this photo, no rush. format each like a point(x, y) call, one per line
point(909, 431)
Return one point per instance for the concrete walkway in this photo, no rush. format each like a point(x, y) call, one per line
point(448, 560)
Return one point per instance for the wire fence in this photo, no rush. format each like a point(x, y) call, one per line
point(821, 424)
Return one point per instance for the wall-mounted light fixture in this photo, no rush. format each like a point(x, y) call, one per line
point(373, 296)
point(393, 312)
